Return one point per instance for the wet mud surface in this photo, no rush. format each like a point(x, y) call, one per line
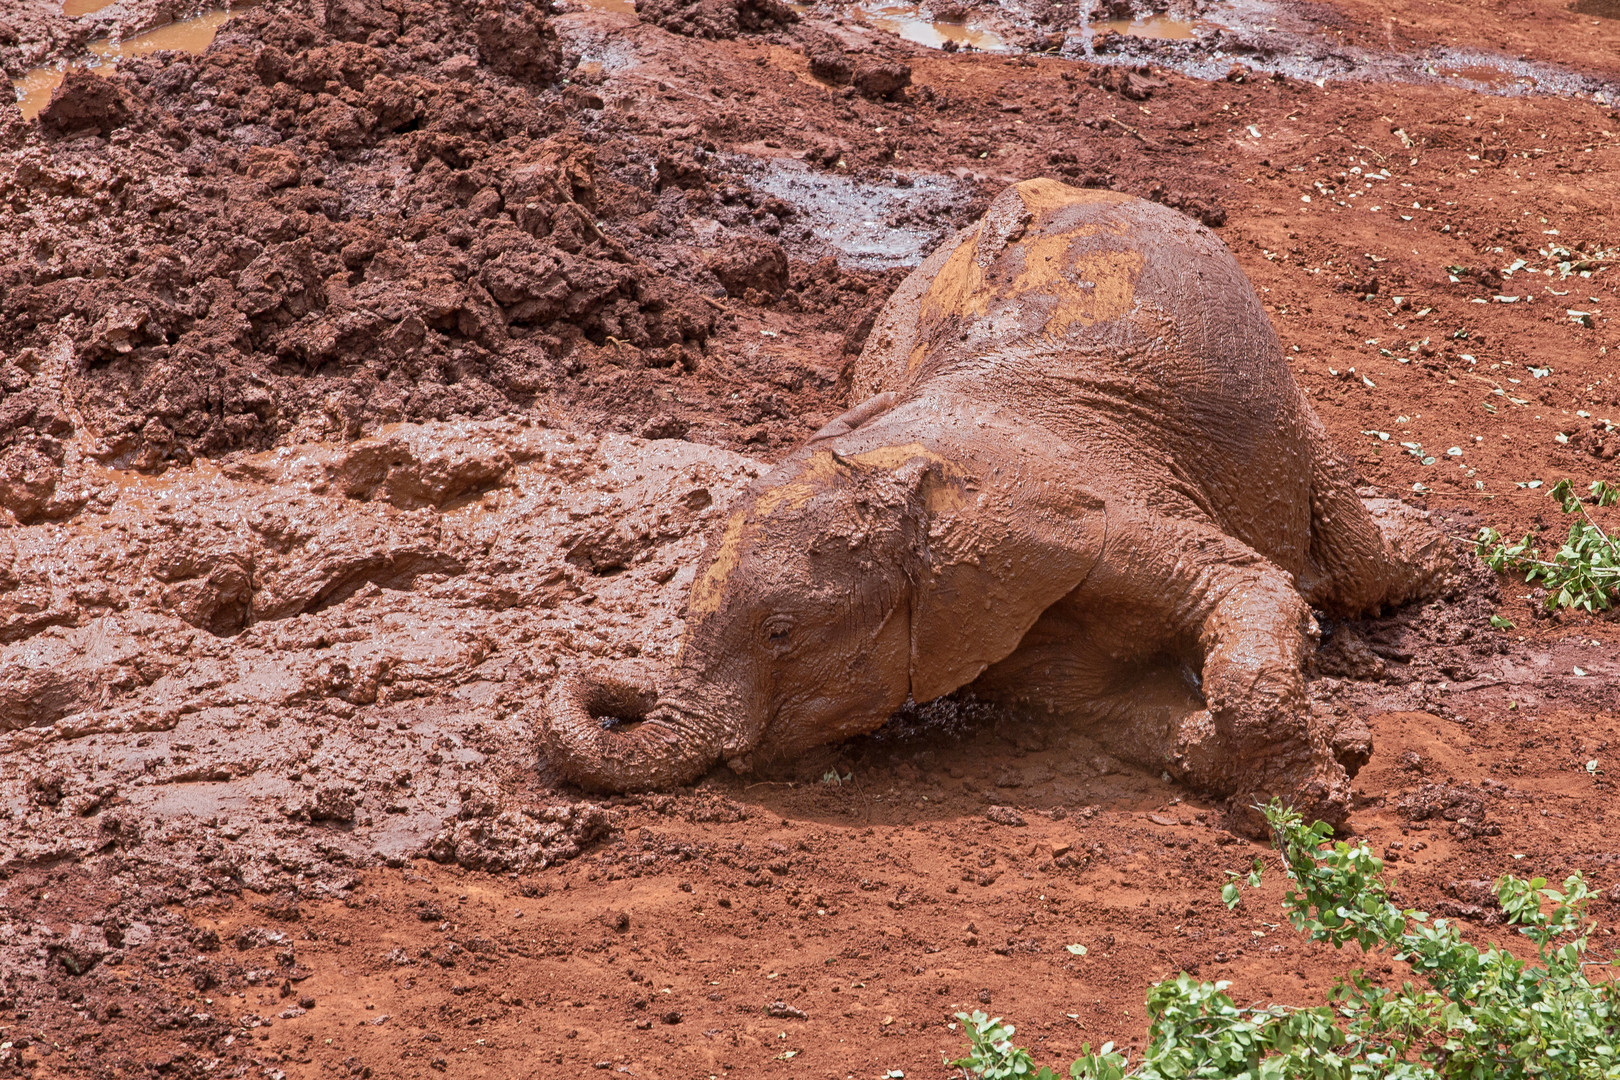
point(367, 370)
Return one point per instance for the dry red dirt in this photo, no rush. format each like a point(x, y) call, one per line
point(362, 373)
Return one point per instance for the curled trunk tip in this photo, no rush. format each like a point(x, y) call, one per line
point(652, 747)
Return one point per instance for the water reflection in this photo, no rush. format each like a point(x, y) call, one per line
point(1156, 27)
point(187, 35)
point(908, 21)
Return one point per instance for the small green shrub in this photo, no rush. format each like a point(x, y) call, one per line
point(1585, 572)
point(1466, 1014)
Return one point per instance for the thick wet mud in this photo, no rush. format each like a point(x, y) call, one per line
point(363, 371)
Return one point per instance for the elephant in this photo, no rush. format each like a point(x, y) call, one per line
point(1081, 482)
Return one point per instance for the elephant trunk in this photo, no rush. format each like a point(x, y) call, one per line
point(662, 746)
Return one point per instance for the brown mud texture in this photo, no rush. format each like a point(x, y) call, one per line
point(367, 371)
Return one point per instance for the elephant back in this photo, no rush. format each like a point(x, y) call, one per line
point(1119, 322)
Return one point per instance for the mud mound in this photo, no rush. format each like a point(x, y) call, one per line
point(84, 102)
point(278, 555)
point(357, 234)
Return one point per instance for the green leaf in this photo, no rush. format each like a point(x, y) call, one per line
point(1457, 1012)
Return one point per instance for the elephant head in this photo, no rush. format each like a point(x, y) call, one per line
point(867, 568)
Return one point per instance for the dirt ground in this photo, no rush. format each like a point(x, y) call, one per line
point(363, 372)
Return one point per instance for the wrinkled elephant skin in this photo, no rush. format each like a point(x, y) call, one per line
point(1082, 482)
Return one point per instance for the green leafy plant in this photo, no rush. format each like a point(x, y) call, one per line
point(1465, 1014)
point(1584, 573)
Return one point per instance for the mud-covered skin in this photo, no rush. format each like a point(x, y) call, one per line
point(1084, 483)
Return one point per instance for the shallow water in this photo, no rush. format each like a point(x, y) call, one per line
point(1156, 27)
point(187, 35)
point(1267, 38)
point(907, 21)
point(74, 9)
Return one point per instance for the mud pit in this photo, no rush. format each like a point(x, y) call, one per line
point(359, 375)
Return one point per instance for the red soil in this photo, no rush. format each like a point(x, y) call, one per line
point(812, 927)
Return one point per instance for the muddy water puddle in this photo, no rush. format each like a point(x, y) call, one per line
point(910, 22)
point(1260, 35)
point(75, 9)
point(1151, 27)
point(185, 35)
point(907, 21)
point(1256, 35)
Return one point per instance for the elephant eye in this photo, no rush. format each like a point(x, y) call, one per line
point(778, 629)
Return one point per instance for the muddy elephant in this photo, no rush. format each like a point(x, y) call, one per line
point(1081, 481)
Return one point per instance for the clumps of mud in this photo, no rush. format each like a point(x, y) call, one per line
point(367, 225)
point(717, 19)
point(521, 838)
point(372, 214)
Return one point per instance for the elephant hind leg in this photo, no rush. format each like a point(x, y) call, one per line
point(1367, 554)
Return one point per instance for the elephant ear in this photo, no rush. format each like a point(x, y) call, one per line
point(999, 550)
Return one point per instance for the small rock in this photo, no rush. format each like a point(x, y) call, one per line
point(882, 82)
point(831, 66)
point(747, 262)
point(85, 101)
point(665, 426)
point(1005, 815)
point(28, 479)
point(332, 803)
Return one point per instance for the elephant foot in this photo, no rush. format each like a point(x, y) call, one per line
point(1347, 734)
point(1313, 777)
point(1319, 791)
